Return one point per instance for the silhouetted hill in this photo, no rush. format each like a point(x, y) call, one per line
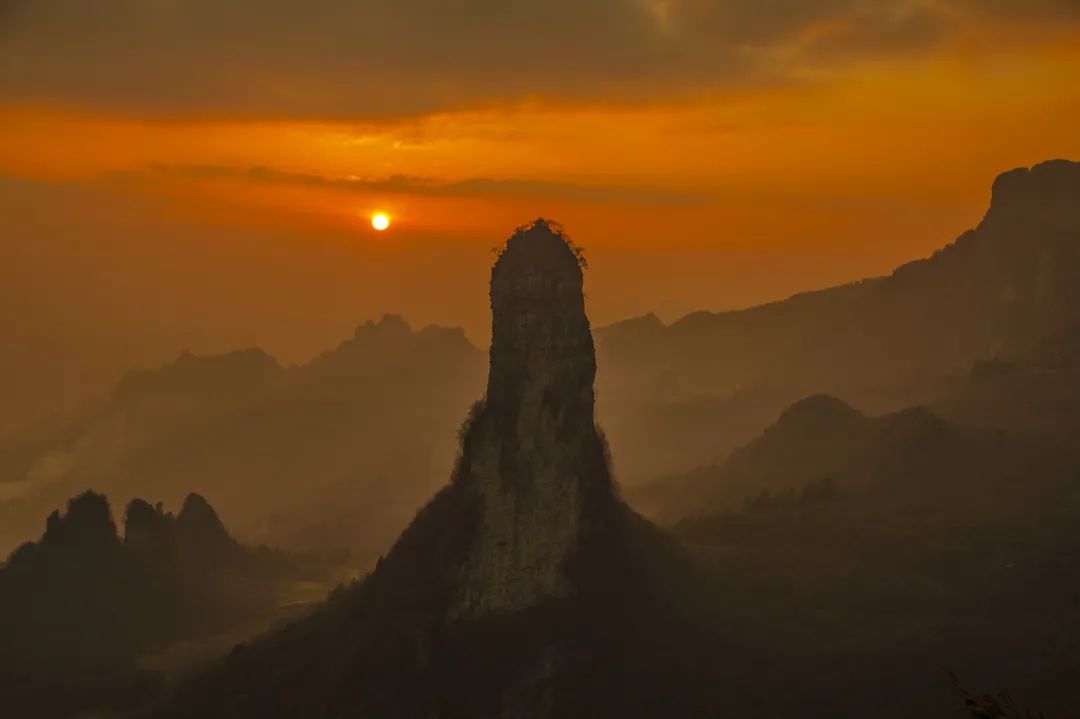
point(191, 378)
point(820, 414)
point(1002, 290)
point(865, 556)
point(392, 352)
point(819, 445)
point(336, 452)
point(998, 289)
point(79, 606)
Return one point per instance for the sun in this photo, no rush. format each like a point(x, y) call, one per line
point(380, 221)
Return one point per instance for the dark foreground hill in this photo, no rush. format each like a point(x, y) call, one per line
point(80, 606)
point(870, 556)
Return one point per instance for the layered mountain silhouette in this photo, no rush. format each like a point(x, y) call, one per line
point(524, 588)
point(79, 606)
point(339, 451)
point(818, 558)
point(999, 290)
point(866, 556)
point(336, 452)
point(819, 446)
point(1006, 290)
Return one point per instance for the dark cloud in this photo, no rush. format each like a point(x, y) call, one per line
point(430, 187)
point(385, 57)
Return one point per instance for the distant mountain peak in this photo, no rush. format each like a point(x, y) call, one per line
point(643, 325)
point(197, 517)
point(1051, 188)
point(191, 375)
point(1008, 288)
point(390, 344)
point(387, 324)
point(88, 519)
point(817, 411)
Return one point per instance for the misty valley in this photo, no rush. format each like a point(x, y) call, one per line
point(861, 501)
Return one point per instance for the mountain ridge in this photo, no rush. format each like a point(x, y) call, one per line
point(1000, 290)
point(817, 445)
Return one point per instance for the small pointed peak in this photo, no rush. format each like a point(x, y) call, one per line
point(137, 510)
point(198, 524)
point(140, 512)
point(196, 511)
point(393, 321)
point(819, 411)
point(389, 323)
point(196, 503)
point(646, 322)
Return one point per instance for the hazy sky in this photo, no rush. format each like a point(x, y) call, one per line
point(200, 174)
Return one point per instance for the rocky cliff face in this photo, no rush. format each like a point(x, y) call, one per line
point(525, 588)
point(1031, 236)
point(532, 452)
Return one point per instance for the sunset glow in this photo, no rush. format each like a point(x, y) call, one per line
point(825, 144)
point(536, 359)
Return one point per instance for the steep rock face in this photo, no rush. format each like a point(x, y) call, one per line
point(525, 588)
point(200, 524)
point(532, 453)
point(1032, 234)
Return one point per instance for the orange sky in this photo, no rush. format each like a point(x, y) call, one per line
point(146, 222)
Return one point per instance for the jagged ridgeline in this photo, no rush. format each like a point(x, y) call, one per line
point(84, 595)
point(81, 607)
point(524, 588)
